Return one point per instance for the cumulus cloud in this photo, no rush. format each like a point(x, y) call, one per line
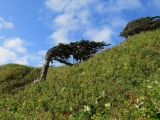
point(12, 50)
point(5, 24)
point(85, 17)
point(60, 36)
point(15, 44)
point(56, 5)
point(6, 55)
point(72, 16)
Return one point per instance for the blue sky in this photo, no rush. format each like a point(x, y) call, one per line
point(29, 27)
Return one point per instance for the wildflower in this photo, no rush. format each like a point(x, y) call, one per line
point(156, 82)
point(70, 108)
point(103, 94)
point(141, 103)
point(83, 73)
point(137, 100)
point(82, 85)
point(96, 102)
point(63, 88)
point(143, 109)
point(36, 80)
point(149, 86)
point(142, 98)
point(87, 108)
point(24, 103)
point(137, 106)
point(107, 105)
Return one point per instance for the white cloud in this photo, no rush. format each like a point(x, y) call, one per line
point(24, 60)
point(15, 44)
point(66, 21)
point(6, 55)
point(86, 17)
point(60, 36)
point(72, 15)
point(99, 35)
point(5, 24)
point(56, 5)
point(12, 50)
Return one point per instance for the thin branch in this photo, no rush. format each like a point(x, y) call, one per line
point(62, 61)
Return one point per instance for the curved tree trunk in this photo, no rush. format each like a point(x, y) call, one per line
point(46, 66)
point(44, 70)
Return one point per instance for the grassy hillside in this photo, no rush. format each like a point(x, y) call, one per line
point(14, 77)
point(121, 83)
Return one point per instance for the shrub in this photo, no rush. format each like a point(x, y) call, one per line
point(141, 25)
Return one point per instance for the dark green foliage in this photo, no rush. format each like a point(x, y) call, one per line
point(84, 49)
point(75, 51)
point(141, 25)
point(79, 51)
point(61, 51)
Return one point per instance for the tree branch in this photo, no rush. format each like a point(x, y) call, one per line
point(62, 61)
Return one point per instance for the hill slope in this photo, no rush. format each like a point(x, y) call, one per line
point(14, 77)
point(120, 83)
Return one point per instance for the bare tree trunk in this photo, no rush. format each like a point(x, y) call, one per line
point(44, 70)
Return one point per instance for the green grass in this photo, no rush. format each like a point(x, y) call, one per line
point(120, 83)
point(14, 77)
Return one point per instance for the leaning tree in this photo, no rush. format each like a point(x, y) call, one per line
point(77, 51)
point(141, 25)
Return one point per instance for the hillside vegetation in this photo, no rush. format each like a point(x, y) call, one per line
point(14, 77)
point(120, 83)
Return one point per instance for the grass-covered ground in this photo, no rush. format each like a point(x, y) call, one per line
point(121, 83)
point(14, 77)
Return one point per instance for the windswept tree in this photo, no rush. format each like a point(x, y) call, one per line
point(84, 49)
point(141, 25)
point(77, 51)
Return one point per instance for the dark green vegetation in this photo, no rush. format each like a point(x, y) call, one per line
point(121, 83)
point(14, 77)
point(141, 25)
point(72, 53)
point(79, 51)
